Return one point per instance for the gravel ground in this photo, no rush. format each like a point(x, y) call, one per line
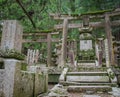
point(92, 95)
point(115, 93)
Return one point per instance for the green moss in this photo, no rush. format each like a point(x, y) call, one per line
point(24, 66)
point(11, 54)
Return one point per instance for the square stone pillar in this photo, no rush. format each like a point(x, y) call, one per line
point(11, 35)
point(12, 78)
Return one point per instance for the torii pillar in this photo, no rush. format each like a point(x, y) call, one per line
point(108, 31)
point(49, 49)
point(64, 43)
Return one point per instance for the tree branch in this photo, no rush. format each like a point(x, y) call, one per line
point(26, 13)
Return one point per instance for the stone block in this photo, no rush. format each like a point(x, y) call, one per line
point(87, 78)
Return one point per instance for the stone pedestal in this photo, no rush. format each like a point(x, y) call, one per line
point(11, 35)
point(12, 78)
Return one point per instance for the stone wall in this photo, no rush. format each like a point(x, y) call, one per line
point(32, 84)
point(17, 83)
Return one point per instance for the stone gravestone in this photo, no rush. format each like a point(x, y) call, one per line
point(11, 39)
point(85, 45)
point(107, 53)
point(11, 35)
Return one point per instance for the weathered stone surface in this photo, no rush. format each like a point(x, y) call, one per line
point(26, 85)
point(88, 88)
point(12, 78)
point(66, 83)
point(86, 64)
point(116, 91)
point(63, 75)
point(91, 96)
point(19, 83)
point(58, 91)
point(1, 79)
point(12, 35)
point(41, 83)
point(88, 78)
point(85, 44)
point(32, 84)
point(107, 53)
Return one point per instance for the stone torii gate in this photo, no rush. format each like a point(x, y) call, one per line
point(48, 40)
point(106, 15)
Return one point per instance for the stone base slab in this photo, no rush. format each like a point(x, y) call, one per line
point(89, 88)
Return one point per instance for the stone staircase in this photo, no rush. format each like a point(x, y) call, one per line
point(96, 80)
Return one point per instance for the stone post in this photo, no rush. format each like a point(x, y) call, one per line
point(107, 53)
point(11, 35)
point(97, 53)
point(12, 78)
point(64, 43)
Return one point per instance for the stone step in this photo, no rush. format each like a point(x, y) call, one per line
point(88, 69)
point(87, 73)
point(89, 88)
point(87, 79)
point(66, 83)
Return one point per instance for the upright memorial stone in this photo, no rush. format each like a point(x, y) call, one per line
point(11, 35)
point(107, 53)
point(12, 39)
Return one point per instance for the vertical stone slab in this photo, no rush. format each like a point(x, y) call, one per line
point(97, 53)
point(12, 78)
point(86, 45)
point(11, 35)
point(107, 53)
point(64, 43)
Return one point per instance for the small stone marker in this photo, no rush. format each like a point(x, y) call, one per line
point(91, 96)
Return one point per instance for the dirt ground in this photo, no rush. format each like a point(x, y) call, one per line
point(83, 94)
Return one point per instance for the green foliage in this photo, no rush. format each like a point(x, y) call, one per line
point(9, 10)
point(41, 9)
point(11, 54)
